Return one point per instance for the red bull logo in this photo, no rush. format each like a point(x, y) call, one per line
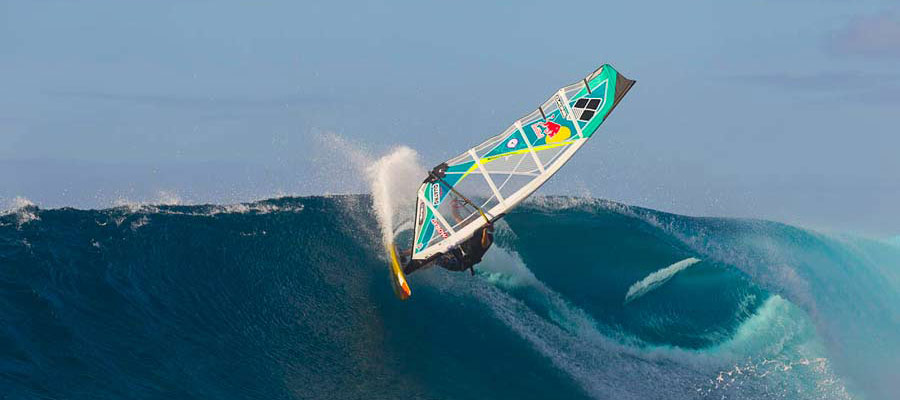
point(554, 132)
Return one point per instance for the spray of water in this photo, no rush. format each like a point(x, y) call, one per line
point(394, 179)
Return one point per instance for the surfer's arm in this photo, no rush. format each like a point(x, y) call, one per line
point(485, 239)
point(487, 235)
point(454, 210)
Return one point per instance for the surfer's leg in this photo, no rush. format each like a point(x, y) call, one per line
point(412, 266)
point(452, 260)
point(404, 256)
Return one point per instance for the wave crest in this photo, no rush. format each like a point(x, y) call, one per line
point(657, 278)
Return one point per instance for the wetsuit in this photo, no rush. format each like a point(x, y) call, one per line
point(462, 257)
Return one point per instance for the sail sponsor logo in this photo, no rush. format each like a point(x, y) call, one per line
point(439, 229)
point(562, 108)
point(586, 108)
point(421, 216)
point(554, 132)
point(435, 194)
point(512, 143)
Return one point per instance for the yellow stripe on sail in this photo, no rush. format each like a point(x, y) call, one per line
point(512, 153)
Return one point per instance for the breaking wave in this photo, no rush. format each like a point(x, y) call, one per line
point(289, 298)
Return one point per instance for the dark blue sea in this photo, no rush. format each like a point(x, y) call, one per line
point(289, 298)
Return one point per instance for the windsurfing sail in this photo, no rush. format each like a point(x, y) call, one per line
point(480, 185)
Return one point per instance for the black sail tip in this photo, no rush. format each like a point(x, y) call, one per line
point(438, 172)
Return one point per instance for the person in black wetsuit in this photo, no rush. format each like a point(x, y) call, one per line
point(468, 253)
point(462, 257)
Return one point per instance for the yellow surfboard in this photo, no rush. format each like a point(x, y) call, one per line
point(398, 279)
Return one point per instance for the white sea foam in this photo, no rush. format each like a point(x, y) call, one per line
point(20, 202)
point(138, 223)
point(168, 198)
point(566, 334)
point(557, 203)
point(801, 265)
point(131, 206)
point(602, 358)
point(776, 345)
point(23, 210)
point(504, 268)
point(656, 279)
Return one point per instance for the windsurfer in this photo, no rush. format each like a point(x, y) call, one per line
point(458, 258)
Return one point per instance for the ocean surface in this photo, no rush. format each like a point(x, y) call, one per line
point(289, 298)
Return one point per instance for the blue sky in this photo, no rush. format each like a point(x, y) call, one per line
point(786, 110)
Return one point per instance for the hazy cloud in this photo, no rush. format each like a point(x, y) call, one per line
point(822, 81)
point(873, 35)
point(179, 101)
point(870, 88)
point(887, 95)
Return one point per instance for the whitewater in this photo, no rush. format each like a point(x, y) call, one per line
point(657, 278)
point(289, 298)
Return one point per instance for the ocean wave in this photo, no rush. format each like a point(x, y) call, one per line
point(288, 298)
point(23, 209)
point(777, 333)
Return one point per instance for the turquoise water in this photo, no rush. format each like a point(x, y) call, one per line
point(289, 298)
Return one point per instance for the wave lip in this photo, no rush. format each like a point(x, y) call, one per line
point(657, 278)
point(24, 210)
